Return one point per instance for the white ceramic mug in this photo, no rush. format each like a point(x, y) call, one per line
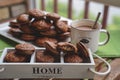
point(90, 37)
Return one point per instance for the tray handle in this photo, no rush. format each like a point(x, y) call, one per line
point(2, 69)
point(101, 73)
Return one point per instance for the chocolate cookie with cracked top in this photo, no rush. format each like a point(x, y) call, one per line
point(36, 13)
point(61, 27)
point(41, 25)
point(72, 58)
point(23, 19)
point(11, 56)
point(66, 47)
point(51, 47)
point(53, 16)
point(25, 49)
point(41, 41)
point(42, 56)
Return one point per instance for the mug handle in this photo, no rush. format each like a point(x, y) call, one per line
point(101, 73)
point(107, 38)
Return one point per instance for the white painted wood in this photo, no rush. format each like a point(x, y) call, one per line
point(33, 69)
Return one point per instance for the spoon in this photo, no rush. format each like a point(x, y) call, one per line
point(96, 20)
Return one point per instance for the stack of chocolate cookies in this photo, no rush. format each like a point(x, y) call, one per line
point(22, 53)
point(53, 53)
point(71, 53)
point(37, 27)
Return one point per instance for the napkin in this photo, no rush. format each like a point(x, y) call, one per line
point(112, 48)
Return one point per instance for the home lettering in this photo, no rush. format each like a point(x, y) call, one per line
point(48, 70)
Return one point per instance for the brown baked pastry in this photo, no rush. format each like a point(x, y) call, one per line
point(49, 33)
point(25, 49)
point(16, 32)
point(36, 13)
point(41, 41)
point(27, 37)
point(41, 25)
point(23, 19)
point(72, 58)
point(26, 28)
point(82, 50)
point(66, 47)
point(63, 36)
point(11, 56)
point(51, 47)
point(61, 27)
point(52, 16)
point(42, 56)
point(14, 25)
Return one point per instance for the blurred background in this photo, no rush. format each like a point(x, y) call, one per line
point(72, 9)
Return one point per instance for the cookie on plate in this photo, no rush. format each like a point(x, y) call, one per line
point(16, 32)
point(41, 41)
point(36, 13)
point(61, 27)
point(41, 25)
point(27, 37)
point(53, 16)
point(14, 24)
point(23, 19)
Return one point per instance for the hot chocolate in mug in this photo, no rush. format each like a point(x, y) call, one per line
point(82, 31)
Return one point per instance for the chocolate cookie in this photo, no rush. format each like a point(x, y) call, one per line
point(14, 25)
point(27, 37)
point(49, 33)
point(41, 25)
point(61, 27)
point(63, 36)
point(72, 58)
point(51, 47)
point(11, 56)
point(26, 28)
point(41, 41)
point(25, 49)
point(36, 13)
point(23, 19)
point(16, 32)
point(82, 50)
point(52, 16)
point(42, 56)
point(67, 47)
